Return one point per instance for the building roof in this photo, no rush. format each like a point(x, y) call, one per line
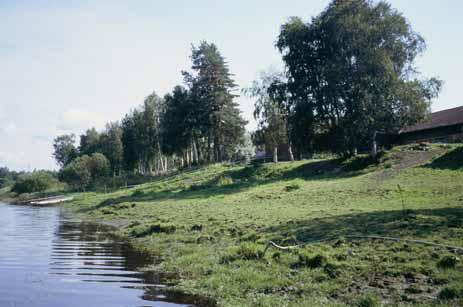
point(443, 118)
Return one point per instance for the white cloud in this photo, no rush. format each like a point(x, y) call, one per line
point(75, 120)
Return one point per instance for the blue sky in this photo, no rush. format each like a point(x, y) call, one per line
point(69, 65)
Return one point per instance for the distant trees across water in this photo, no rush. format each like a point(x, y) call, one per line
point(349, 75)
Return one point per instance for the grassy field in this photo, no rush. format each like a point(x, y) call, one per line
point(211, 226)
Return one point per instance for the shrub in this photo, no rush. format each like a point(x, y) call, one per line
point(448, 262)
point(331, 270)
point(35, 182)
point(368, 300)
point(305, 260)
point(84, 170)
point(450, 293)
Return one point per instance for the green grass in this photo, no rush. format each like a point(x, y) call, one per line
point(211, 227)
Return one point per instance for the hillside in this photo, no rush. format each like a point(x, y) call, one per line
point(210, 227)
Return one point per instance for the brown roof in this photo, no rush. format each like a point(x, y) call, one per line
point(438, 119)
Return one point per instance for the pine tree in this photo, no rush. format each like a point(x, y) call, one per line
point(217, 115)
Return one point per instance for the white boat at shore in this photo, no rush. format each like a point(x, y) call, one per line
point(49, 200)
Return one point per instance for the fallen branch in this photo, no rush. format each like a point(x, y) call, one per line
point(449, 247)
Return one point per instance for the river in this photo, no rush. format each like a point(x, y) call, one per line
point(50, 260)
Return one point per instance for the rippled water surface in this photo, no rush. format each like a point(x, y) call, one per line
point(48, 260)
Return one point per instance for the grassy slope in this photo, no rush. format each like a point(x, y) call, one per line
point(211, 226)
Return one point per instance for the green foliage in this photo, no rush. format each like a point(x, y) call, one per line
point(448, 262)
point(368, 300)
point(90, 142)
point(112, 146)
point(35, 182)
point(311, 261)
point(7, 177)
point(448, 293)
point(64, 149)
point(217, 115)
point(271, 114)
point(84, 170)
point(350, 73)
point(141, 137)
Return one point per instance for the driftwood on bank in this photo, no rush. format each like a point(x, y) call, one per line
point(449, 247)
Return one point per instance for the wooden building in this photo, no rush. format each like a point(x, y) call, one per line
point(440, 127)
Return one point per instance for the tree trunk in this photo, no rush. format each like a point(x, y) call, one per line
point(195, 152)
point(374, 146)
point(210, 149)
point(188, 161)
point(275, 154)
point(290, 151)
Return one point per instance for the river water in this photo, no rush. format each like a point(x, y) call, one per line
point(50, 260)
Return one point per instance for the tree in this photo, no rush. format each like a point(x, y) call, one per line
point(84, 170)
point(98, 165)
point(151, 136)
point(141, 137)
point(77, 173)
point(35, 182)
point(216, 114)
point(112, 147)
point(271, 114)
point(64, 149)
point(90, 142)
point(351, 74)
point(7, 177)
point(179, 125)
point(131, 140)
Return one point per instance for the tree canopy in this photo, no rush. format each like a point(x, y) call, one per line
point(351, 74)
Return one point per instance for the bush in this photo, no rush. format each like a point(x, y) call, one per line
point(35, 182)
point(450, 293)
point(305, 260)
point(448, 262)
point(368, 300)
point(84, 170)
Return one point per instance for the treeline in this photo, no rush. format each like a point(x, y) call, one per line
point(198, 122)
point(349, 80)
point(8, 177)
point(29, 182)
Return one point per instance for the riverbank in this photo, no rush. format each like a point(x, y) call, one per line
point(212, 225)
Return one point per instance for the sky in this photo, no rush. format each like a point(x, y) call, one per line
point(66, 66)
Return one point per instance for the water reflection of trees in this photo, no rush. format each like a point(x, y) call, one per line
point(96, 249)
